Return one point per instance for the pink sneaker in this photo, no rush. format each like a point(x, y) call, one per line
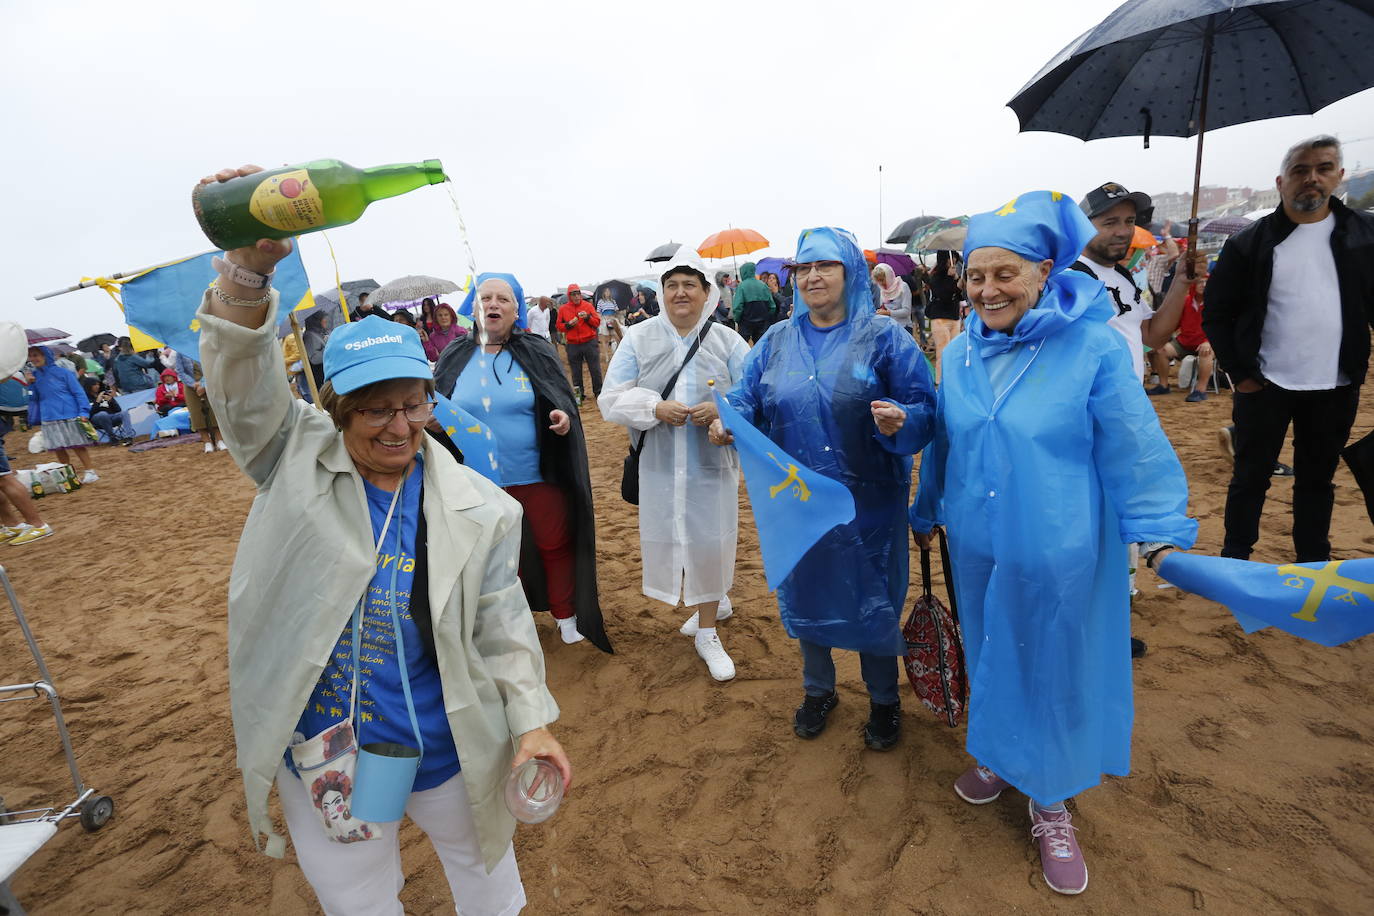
point(1061, 861)
point(978, 785)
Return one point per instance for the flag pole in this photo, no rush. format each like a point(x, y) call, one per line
point(300, 343)
point(122, 275)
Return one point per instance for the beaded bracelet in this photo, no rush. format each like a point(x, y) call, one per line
point(227, 299)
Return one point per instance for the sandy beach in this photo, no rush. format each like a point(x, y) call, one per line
point(1252, 789)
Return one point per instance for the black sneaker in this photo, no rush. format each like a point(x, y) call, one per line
point(810, 718)
point(1137, 647)
point(884, 725)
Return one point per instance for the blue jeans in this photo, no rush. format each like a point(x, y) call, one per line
point(880, 673)
point(114, 425)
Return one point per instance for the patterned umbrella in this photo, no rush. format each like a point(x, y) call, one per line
point(945, 235)
point(1224, 225)
point(409, 289)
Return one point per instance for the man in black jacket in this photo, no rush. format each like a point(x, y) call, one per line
point(1288, 310)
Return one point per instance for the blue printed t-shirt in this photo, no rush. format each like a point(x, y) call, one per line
point(496, 390)
point(381, 700)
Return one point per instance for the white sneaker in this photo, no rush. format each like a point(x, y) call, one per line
point(724, 611)
point(567, 628)
point(209, 448)
point(221, 446)
point(717, 660)
point(90, 477)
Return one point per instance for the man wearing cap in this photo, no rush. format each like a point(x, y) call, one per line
point(578, 321)
point(364, 528)
point(1115, 212)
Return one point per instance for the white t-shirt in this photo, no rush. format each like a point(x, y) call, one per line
point(1300, 345)
point(1131, 307)
point(538, 320)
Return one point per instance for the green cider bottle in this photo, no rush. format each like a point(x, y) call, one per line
point(289, 201)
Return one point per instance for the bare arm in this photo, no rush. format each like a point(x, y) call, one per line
point(1157, 329)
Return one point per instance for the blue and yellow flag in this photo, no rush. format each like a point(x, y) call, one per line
point(1328, 603)
point(793, 505)
point(162, 303)
point(473, 437)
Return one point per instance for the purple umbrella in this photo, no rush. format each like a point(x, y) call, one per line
point(900, 262)
point(43, 335)
point(774, 266)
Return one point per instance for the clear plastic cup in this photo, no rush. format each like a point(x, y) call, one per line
point(534, 791)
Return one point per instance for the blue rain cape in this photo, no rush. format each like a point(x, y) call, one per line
point(1042, 487)
point(466, 309)
point(848, 590)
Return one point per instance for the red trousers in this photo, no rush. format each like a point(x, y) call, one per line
point(546, 507)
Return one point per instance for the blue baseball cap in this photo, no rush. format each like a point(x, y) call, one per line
point(373, 350)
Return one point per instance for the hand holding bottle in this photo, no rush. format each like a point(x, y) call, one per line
point(261, 257)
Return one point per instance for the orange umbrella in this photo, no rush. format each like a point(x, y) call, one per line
point(730, 242)
point(1143, 238)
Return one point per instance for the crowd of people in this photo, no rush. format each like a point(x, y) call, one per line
point(1020, 370)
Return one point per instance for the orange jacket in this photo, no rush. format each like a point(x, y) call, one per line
point(585, 329)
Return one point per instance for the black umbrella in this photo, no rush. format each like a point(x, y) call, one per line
point(93, 343)
point(620, 292)
point(663, 252)
point(908, 229)
point(327, 301)
point(1179, 67)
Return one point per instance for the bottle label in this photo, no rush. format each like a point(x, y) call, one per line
point(288, 201)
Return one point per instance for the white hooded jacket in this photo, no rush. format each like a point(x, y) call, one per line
point(688, 488)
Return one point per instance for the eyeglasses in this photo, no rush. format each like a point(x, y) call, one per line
point(824, 268)
point(381, 416)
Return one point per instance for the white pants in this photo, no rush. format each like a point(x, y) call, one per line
point(364, 879)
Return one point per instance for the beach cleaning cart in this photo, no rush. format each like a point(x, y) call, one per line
point(23, 833)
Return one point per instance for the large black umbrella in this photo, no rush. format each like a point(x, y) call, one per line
point(1176, 68)
point(663, 252)
point(93, 343)
point(620, 292)
point(908, 228)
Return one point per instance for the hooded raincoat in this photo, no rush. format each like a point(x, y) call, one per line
point(848, 590)
point(439, 338)
point(57, 393)
point(1048, 459)
point(688, 488)
point(753, 300)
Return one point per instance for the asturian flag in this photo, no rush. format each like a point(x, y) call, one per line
point(1328, 603)
point(162, 303)
point(793, 505)
point(473, 437)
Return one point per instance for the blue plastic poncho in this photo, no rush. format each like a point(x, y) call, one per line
point(848, 590)
point(520, 308)
point(1042, 486)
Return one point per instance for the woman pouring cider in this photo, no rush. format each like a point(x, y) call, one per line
point(374, 590)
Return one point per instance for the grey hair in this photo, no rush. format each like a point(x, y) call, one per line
point(1320, 141)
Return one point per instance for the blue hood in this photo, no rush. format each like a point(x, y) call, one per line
point(1039, 226)
point(466, 309)
point(830, 243)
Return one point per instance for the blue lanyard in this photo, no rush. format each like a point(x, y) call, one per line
point(396, 626)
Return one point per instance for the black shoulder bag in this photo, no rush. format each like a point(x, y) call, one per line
point(629, 478)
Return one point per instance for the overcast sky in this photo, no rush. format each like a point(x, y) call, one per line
point(579, 135)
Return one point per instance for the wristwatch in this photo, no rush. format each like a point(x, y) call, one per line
point(237, 273)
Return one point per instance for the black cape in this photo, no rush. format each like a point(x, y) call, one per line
point(562, 462)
